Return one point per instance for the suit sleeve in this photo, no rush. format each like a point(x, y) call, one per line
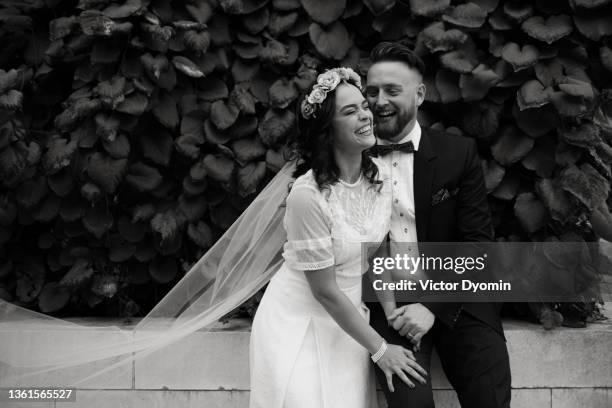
point(473, 222)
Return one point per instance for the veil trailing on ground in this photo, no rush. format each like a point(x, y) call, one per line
point(241, 262)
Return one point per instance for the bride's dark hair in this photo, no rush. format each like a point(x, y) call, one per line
point(313, 141)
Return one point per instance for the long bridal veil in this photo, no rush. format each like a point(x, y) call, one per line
point(240, 263)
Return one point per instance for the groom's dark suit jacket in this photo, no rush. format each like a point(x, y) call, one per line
point(449, 161)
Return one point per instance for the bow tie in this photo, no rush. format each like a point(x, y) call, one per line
point(382, 150)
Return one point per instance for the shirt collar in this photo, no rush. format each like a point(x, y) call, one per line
point(414, 135)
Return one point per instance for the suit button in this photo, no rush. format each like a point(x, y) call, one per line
point(394, 164)
point(396, 201)
point(401, 214)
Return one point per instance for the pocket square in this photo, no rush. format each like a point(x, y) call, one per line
point(443, 194)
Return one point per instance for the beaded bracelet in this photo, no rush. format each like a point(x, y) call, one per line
point(376, 356)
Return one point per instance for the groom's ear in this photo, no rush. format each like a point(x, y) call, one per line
point(421, 91)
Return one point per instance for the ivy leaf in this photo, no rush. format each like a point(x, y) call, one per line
point(142, 212)
point(31, 191)
point(586, 184)
point(555, 199)
point(508, 187)
point(493, 174)
point(275, 126)
point(201, 11)
point(13, 160)
point(250, 177)
point(324, 12)
point(520, 58)
point(476, 85)
point(107, 126)
point(511, 146)
point(282, 93)
point(193, 207)
point(111, 92)
point(166, 112)
point(541, 158)
point(167, 224)
point(247, 150)
point(154, 66)
point(586, 135)
point(135, 104)
point(120, 250)
point(518, 11)
point(197, 41)
point(428, 8)
point(12, 100)
point(53, 298)
point(157, 146)
point(532, 95)
point(536, 122)
point(436, 38)
point(91, 192)
point(567, 105)
point(59, 155)
point(241, 6)
point(213, 89)
point(594, 26)
point(143, 177)
point(201, 234)
point(257, 21)
point(97, 220)
point(447, 84)
point(62, 182)
point(575, 87)
point(243, 100)
point(79, 274)
point(461, 61)
point(549, 73)
point(219, 167)
point(163, 269)
point(134, 231)
point(8, 79)
point(481, 119)
point(223, 115)
point(550, 30)
point(72, 115)
point(124, 10)
point(605, 53)
point(280, 23)
point(187, 67)
point(530, 212)
point(467, 15)
point(331, 42)
point(106, 172)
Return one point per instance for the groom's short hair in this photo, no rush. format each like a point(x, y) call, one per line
point(397, 52)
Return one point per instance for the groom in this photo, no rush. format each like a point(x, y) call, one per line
point(468, 337)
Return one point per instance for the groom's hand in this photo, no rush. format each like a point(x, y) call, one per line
point(412, 321)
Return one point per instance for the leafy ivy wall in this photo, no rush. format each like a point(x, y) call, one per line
point(133, 133)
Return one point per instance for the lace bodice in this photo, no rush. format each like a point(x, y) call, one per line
point(326, 228)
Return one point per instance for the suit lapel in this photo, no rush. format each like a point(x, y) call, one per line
point(423, 176)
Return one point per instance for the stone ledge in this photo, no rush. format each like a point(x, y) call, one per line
point(217, 360)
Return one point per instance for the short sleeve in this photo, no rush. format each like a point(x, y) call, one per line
point(309, 243)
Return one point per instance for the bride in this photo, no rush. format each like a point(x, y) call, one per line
point(311, 338)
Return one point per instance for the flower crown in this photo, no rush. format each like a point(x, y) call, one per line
point(327, 82)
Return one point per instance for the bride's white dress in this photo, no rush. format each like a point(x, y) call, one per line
point(300, 357)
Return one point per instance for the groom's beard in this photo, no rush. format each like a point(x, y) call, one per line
point(392, 128)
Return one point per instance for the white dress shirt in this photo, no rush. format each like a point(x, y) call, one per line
point(403, 221)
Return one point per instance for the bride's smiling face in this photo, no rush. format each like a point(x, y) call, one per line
point(352, 123)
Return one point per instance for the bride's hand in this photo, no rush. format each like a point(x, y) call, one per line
point(400, 361)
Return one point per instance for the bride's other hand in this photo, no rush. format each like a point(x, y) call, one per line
point(400, 361)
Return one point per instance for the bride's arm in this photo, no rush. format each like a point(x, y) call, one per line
point(386, 298)
point(395, 360)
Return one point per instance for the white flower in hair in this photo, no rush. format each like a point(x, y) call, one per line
point(317, 95)
point(329, 80)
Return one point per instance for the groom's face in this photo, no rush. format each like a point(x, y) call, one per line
point(394, 92)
